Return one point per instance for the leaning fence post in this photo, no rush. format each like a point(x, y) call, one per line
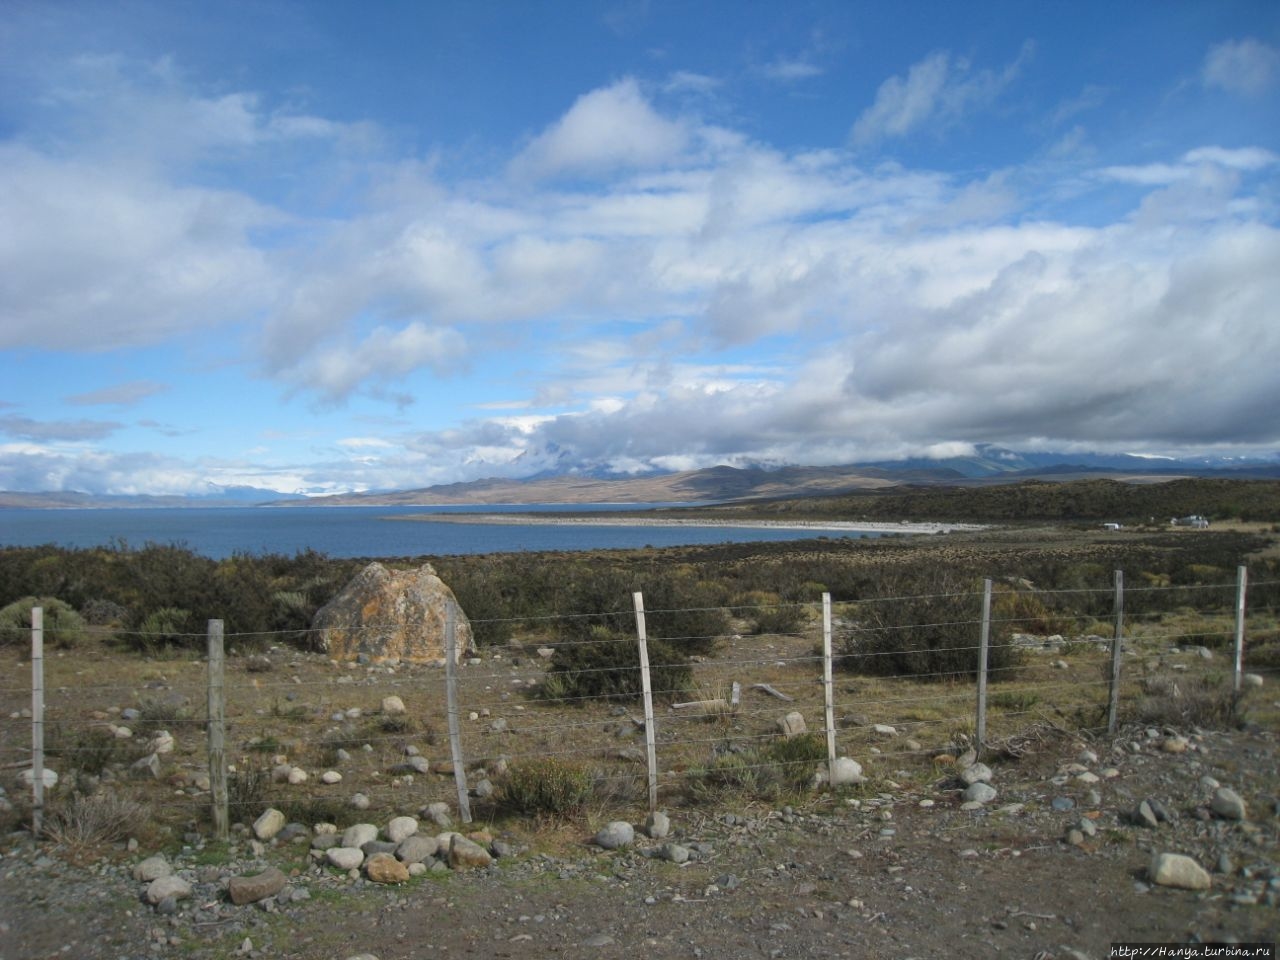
point(1242, 583)
point(37, 720)
point(984, 645)
point(1117, 644)
point(451, 696)
point(828, 689)
point(646, 688)
point(218, 732)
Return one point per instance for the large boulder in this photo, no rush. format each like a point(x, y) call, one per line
point(391, 615)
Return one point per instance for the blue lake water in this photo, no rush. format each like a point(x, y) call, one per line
point(219, 532)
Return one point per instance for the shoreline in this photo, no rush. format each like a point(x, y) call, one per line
point(834, 526)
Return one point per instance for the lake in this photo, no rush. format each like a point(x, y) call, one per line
point(219, 532)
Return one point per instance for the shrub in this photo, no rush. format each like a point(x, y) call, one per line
point(929, 636)
point(162, 628)
point(89, 820)
point(92, 750)
point(768, 771)
point(550, 786)
point(608, 667)
point(247, 789)
point(63, 627)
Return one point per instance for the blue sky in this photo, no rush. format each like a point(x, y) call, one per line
point(326, 246)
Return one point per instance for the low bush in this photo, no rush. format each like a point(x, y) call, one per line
point(63, 627)
point(769, 771)
point(608, 667)
point(90, 820)
point(91, 750)
point(550, 786)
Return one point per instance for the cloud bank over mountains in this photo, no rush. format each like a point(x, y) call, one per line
point(640, 284)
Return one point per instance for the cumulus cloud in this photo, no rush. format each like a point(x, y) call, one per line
point(608, 129)
point(1247, 67)
point(936, 93)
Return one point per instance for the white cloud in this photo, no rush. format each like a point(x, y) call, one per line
point(1247, 67)
point(937, 93)
point(788, 70)
point(605, 130)
point(120, 395)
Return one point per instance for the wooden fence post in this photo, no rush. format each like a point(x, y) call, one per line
point(218, 732)
point(451, 697)
point(646, 687)
point(37, 720)
point(984, 645)
point(1242, 583)
point(1117, 646)
point(828, 690)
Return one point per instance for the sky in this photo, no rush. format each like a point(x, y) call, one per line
point(325, 246)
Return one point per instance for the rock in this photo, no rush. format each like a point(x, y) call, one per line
point(147, 767)
point(437, 813)
point(162, 743)
point(152, 868)
point(657, 826)
point(401, 828)
point(357, 835)
point(331, 777)
point(980, 793)
point(359, 801)
point(1175, 745)
point(1144, 816)
point(1062, 804)
point(393, 706)
point(270, 823)
point(792, 725)
point(1176, 870)
point(1251, 680)
point(1228, 804)
point(384, 868)
point(344, 858)
point(417, 848)
point(846, 771)
point(170, 886)
point(386, 615)
point(244, 890)
point(977, 773)
point(615, 835)
point(50, 779)
point(884, 730)
point(465, 853)
point(297, 776)
point(674, 853)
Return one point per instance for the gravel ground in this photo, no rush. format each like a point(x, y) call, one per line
point(897, 870)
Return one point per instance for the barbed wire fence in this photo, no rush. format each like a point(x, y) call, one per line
point(885, 681)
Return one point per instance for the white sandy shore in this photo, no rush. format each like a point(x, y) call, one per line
point(593, 520)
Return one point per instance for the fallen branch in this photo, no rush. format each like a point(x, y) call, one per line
point(772, 692)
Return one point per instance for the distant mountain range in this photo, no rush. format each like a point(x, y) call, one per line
point(988, 465)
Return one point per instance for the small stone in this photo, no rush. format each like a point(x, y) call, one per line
point(467, 853)
point(1062, 804)
point(792, 725)
point(384, 868)
point(846, 771)
point(401, 828)
point(1253, 680)
point(170, 886)
point(359, 834)
point(976, 773)
point(1228, 804)
point(1144, 816)
point(331, 777)
point(344, 858)
point(416, 849)
point(393, 706)
point(297, 776)
point(1177, 870)
point(615, 835)
point(657, 826)
point(980, 793)
point(437, 813)
point(674, 853)
point(360, 801)
point(152, 868)
point(1175, 745)
point(244, 890)
point(884, 730)
point(270, 823)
